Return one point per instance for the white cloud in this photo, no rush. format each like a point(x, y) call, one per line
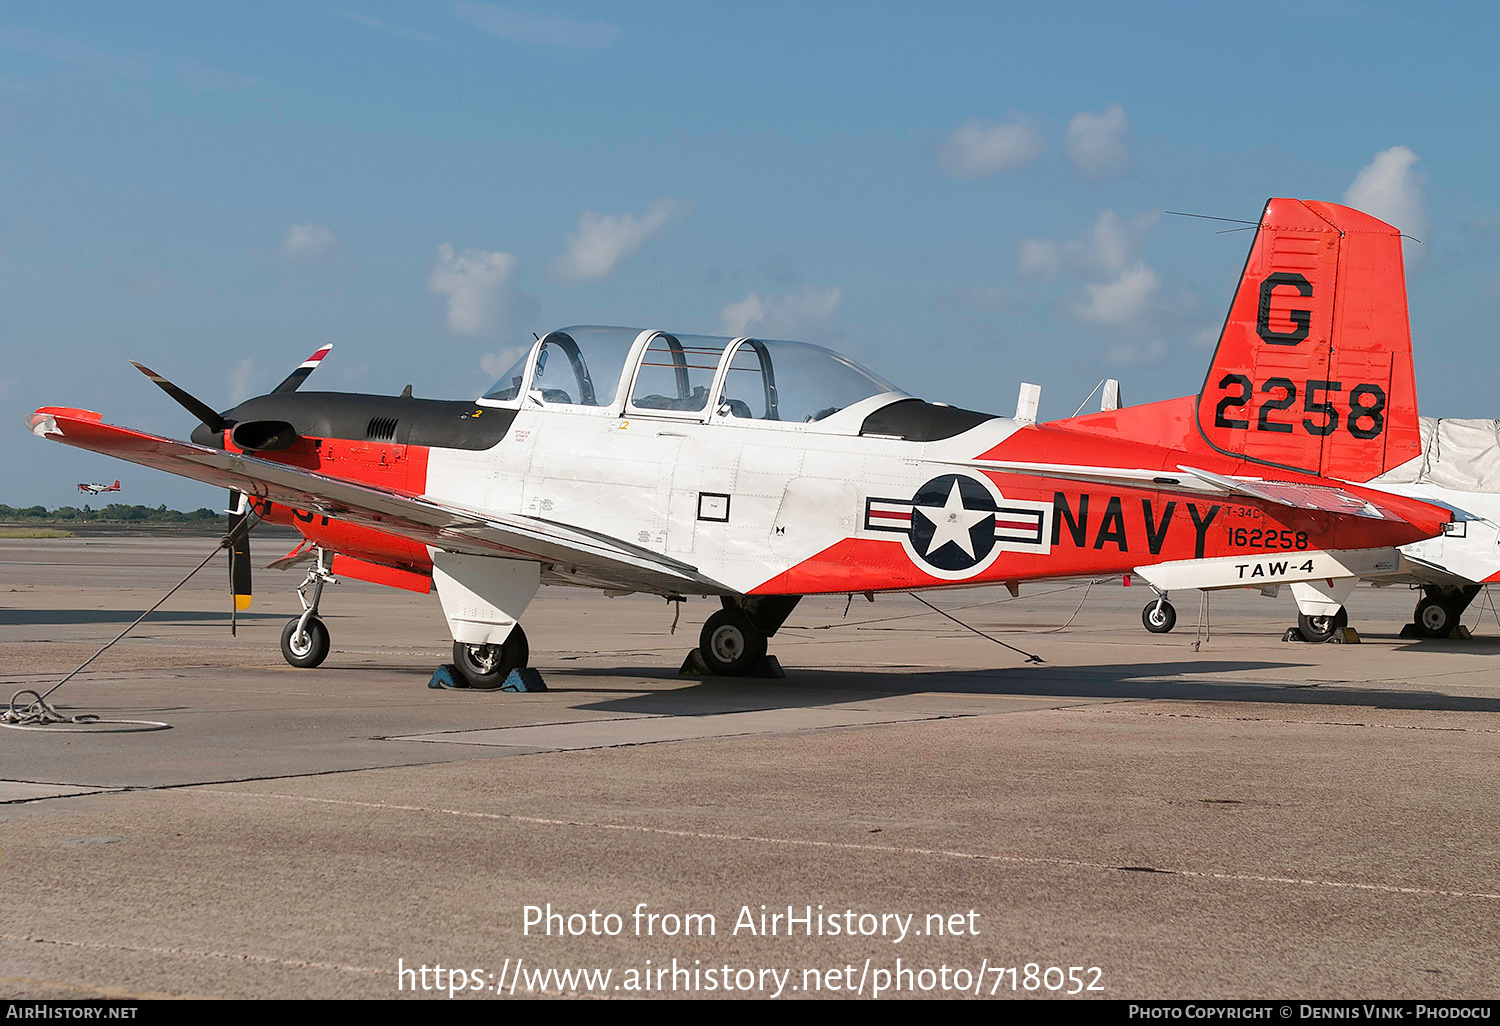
point(1122, 300)
point(1042, 257)
point(802, 312)
point(496, 364)
point(1099, 144)
point(478, 284)
point(976, 149)
point(989, 297)
point(385, 27)
point(316, 254)
point(1110, 246)
point(528, 27)
point(307, 242)
point(603, 240)
point(1390, 188)
point(242, 381)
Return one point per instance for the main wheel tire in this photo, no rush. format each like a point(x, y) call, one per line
point(1434, 618)
point(1321, 628)
point(485, 667)
point(730, 644)
point(1159, 617)
point(306, 648)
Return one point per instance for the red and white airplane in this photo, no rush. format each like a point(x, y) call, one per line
point(760, 471)
point(95, 489)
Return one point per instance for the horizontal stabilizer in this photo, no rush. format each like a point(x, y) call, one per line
point(1296, 495)
point(1262, 569)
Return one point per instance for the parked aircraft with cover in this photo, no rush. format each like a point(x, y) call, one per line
point(1459, 469)
point(758, 471)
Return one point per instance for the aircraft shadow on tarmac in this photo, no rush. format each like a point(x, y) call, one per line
point(805, 688)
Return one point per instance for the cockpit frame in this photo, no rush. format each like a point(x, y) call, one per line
point(694, 401)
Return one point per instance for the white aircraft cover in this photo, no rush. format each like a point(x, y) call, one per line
point(1463, 455)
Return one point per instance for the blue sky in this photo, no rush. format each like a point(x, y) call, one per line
point(962, 196)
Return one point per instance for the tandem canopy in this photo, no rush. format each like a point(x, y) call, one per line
point(630, 370)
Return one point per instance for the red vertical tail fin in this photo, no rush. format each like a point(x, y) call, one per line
point(1313, 370)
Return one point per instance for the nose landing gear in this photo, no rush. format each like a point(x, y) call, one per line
point(304, 641)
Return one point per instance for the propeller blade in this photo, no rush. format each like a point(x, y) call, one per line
point(192, 404)
point(239, 549)
point(296, 377)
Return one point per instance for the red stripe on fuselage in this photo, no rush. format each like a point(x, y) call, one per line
point(1117, 530)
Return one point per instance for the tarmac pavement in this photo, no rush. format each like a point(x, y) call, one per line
point(1250, 819)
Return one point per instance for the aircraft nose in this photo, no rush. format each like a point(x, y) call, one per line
point(204, 435)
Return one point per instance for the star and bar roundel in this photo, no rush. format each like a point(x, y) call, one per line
point(955, 525)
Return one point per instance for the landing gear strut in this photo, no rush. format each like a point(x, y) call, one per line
point(733, 641)
point(304, 641)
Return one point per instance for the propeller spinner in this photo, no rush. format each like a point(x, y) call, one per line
point(237, 540)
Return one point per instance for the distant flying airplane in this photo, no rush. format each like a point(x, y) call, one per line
point(758, 471)
point(95, 489)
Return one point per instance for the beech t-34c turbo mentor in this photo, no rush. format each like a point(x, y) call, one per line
point(760, 471)
point(96, 488)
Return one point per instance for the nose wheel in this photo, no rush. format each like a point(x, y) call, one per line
point(304, 641)
point(305, 645)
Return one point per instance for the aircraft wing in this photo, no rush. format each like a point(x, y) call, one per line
point(609, 562)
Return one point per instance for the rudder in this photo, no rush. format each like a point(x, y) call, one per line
point(1313, 369)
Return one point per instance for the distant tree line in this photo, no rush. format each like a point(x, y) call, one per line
point(115, 512)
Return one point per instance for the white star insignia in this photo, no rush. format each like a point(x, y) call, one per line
point(951, 522)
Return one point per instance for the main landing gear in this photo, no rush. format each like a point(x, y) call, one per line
point(485, 667)
point(733, 641)
point(304, 641)
point(1322, 628)
point(1441, 608)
